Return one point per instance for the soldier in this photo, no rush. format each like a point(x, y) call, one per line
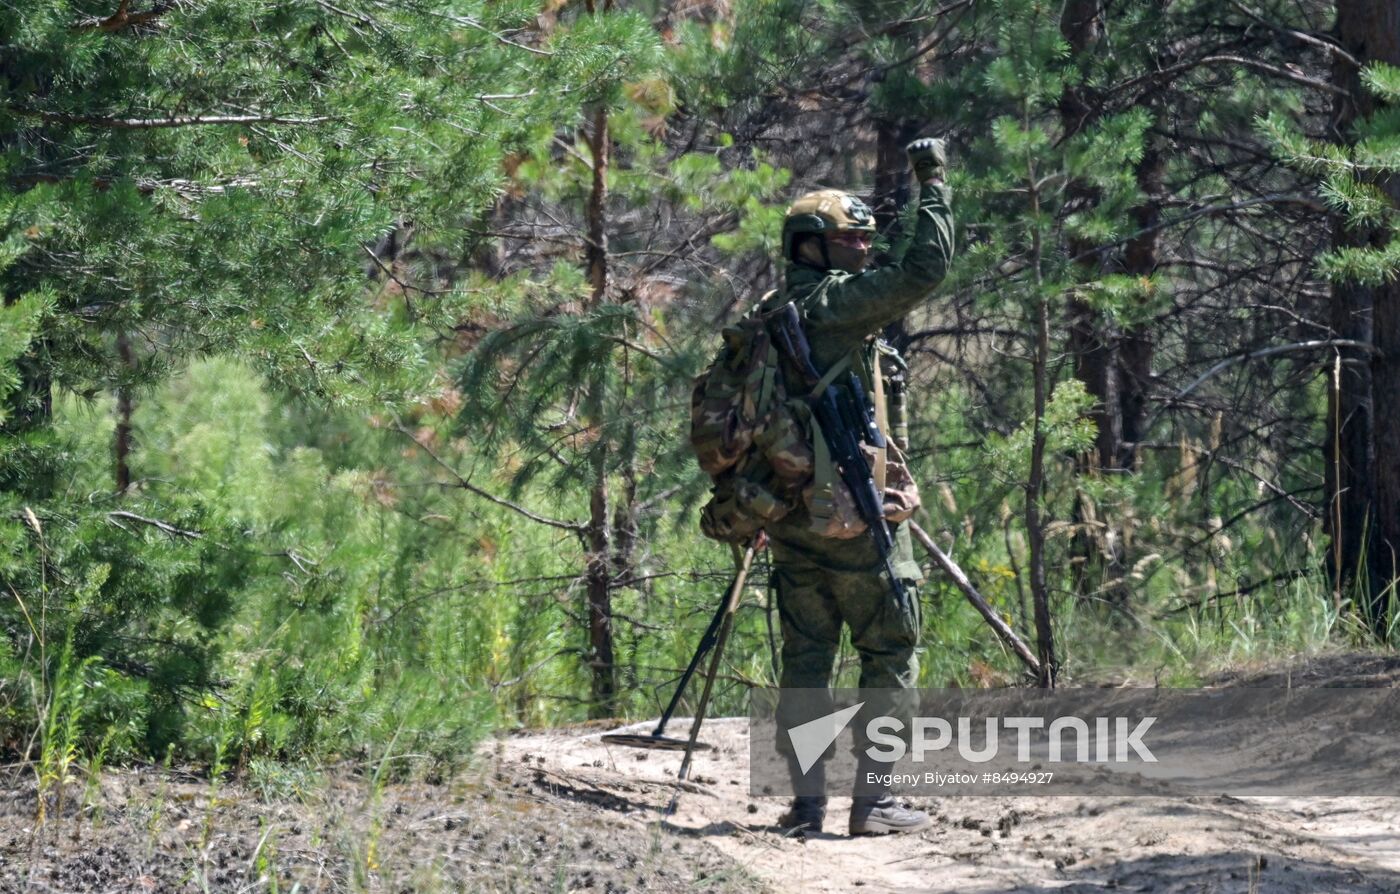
point(822, 581)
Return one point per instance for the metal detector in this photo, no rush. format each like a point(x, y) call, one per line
point(715, 636)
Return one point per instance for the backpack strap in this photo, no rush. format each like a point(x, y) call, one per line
point(823, 467)
point(770, 360)
point(769, 381)
point(881, 422)
point(837, 368)
point(823, 504)
point(824, 476)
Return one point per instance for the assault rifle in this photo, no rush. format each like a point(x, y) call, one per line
point(846, 420)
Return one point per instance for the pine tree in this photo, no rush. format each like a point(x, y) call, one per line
point(556, 384)
point(581, 391)
point(181, 180)
point(1358, 174)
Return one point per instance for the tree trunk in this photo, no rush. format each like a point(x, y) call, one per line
point(891, 174)
point(625, 522)
point(600, 636)
point(892, 193)
point(1363, 447)
point(1140, 258)
point(1096, 365)
point(122, 442)
point(596, 253)
point(1135, 347)
point(1097, 545)
point(1035, 482)
point(599, 533)
point(1035, 492)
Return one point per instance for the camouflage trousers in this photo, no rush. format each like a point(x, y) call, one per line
point(816, 596)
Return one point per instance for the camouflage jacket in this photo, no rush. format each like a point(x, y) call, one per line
point(840, 312)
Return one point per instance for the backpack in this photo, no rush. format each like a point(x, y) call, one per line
point(746, 436)
point(757, 445)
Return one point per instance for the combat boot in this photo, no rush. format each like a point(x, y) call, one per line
point(883, 815)
point(805, 814)
point(874, 810)
point(808, 810)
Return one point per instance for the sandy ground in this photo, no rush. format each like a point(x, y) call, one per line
point(990, 844)
point(562, 811)
point(492, 830)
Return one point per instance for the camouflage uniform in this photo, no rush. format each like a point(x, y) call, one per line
point(823, 582)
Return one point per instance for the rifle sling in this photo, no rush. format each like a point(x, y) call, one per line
point(823, 504)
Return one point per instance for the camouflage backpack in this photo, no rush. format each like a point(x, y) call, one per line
point(745, 435)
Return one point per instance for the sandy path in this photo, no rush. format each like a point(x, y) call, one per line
point(986, 844)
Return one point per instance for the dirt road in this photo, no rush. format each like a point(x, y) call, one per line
point(1024, 845)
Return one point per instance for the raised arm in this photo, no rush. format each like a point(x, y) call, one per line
point(851, 307)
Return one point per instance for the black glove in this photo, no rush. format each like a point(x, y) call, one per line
point(927, 158)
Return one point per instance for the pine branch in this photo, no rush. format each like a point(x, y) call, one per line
point(124, 18)
point(1383, 80)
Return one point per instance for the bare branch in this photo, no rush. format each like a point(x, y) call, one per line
point(1265, 352)
point(156, 523)
point(1297, 77)
point(359, 17)
point(989, 614)
point(396, 279)
point(640, 349)
point(466, 485)
point(155, 123)
point(1327, 45)
point(1245, 590)
point(501, 38)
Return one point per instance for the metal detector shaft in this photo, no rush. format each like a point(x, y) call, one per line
point(706, 642)
point(988, 613)
point(731, 603)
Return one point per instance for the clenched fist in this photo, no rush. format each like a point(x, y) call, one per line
point(927, 158)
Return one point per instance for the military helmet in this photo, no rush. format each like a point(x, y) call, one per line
point(822, 212)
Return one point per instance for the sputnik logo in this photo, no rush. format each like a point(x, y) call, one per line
point(811, 739)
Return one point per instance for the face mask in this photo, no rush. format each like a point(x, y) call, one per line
point(849, 251)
